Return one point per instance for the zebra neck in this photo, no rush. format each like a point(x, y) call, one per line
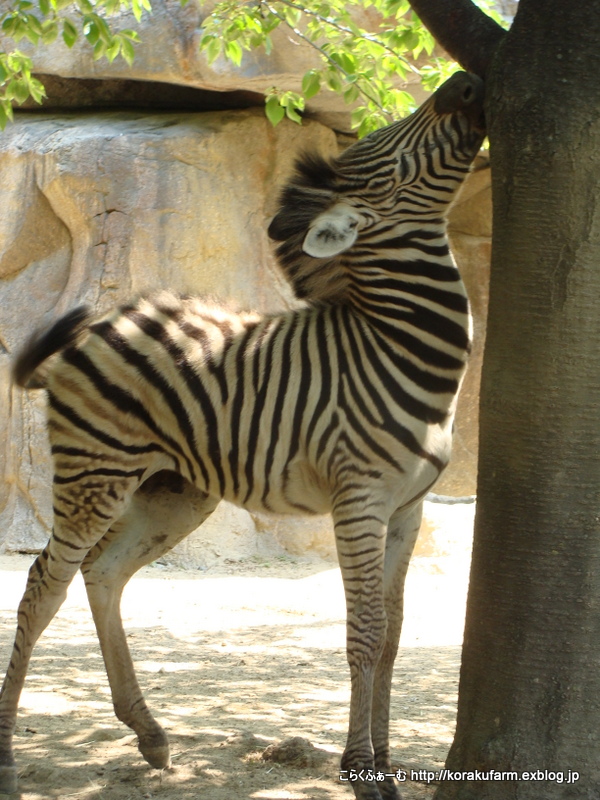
point(408, 289)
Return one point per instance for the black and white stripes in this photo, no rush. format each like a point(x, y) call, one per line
point(163, 406)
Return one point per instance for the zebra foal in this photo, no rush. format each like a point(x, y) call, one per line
point(163, 406)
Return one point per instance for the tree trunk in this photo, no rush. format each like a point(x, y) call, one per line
point(529, 696)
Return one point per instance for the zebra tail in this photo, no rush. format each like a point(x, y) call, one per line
point(43, 344)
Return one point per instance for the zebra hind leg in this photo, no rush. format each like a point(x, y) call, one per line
point(162, 512)
point(78, 525)
point(403, 530)
point(360, 530)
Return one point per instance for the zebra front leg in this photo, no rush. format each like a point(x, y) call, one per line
point(403, 530)
point(360, 532)
point(162, 512)
point(47, 584)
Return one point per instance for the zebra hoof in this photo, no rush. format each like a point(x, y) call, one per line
point(389, 791)
point(155, 750)
point(366, 791)
point(8, 780)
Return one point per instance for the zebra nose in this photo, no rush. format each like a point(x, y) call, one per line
point(462, 92)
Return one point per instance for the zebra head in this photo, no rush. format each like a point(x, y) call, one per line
point(409, 171)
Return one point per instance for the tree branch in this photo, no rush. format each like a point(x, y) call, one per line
point(463, 30)
point(330, 21)
point(361, 88)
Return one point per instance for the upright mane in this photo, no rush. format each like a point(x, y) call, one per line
point(311, 190)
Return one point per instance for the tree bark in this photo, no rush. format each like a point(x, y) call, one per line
point(463, 30)
point(529, 696)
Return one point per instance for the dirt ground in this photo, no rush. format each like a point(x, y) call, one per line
point(231, 660)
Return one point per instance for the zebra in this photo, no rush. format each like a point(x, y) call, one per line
point(160, 408)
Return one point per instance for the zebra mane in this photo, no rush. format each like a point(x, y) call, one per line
point(309, 192)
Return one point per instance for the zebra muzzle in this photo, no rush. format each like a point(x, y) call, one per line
point(462, 92)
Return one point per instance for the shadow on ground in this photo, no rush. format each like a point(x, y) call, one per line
point(276, 674)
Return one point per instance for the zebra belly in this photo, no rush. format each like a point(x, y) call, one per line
point(305, 485)
point(293, 489)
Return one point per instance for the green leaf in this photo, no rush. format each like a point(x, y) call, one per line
point(99, 49)
point(274, 111)
point(5, 113)
point(9, 24)
point(69, 33)
point(334, 81)
point(345, 60)
point(311, 83)
point(133, 36)
point(103, 29)
point(234, 52)
point(49, 31)
point(213, 49)
point(351, 94)
point(17, 90)
point(358, 116)
point(37, 90)
point(292, 113)
point(292, 16)
point(25, 31)
point(127, 51)
point(112, 51)
point(91, 32)
point(34, 24)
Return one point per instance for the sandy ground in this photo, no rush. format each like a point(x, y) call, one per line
point(232, 660)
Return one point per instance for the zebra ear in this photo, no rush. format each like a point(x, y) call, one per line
point(332, 232)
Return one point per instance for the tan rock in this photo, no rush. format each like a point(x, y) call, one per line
point(229, 534)
point(300, 536)
point(470, 238)
point(472, 213)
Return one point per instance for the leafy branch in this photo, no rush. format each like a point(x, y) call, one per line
point(43, 23)
point(362, 65)
point(292, 102)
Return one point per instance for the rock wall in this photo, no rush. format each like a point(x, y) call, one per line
point(97, 206)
